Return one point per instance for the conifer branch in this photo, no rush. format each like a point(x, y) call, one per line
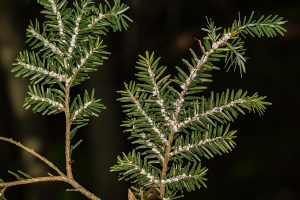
point(156, 92)
point(132, 164)
point(80, 66)
point(146, 116)
point(208, 113)
point(147, 141)
point(76, 29)
point(145, 174)
point(79, 110)
point(178, 178)
point(190, 147)
point(266, 25)
point(47, 102)
point(36, 69)
point(98, 18)
point(53, 103)
point(84, 59)
point(55, 49)
point(84, 107)
point(154, 104)
point(189, 177)
point(46, 71)
point(62, 178)
point(111, 16)
point(56, 12)
point(74, 35)
point(193, 74)
point(215, 140)
point(65, 48)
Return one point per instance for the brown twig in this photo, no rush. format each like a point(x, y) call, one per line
point(32, 152)
point(168, 148)
point(82, 190)
point(33, 180)
point(61, 178)
point(68, 133)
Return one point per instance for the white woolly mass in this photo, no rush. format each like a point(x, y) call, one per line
point(151, 145)
point(74, 36)
point(217, 109)
point(58, 17)
point(53, 103)
point(178, 178)
point(148, 118)
point(60, 77)
point(216, 44)
point(178, 105)
point(84, 59)
point(81, 109)
point(143, 172)
point(46, 42)
point(226, 36)
point(183, 86)
point(81, 64)
point(153, 179)
point(188, 147)
point(156, 93)
point(174, 125)
point(194, 71)
point(98, 18)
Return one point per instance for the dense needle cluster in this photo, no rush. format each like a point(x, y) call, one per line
point(64, 49)
point(173, 125)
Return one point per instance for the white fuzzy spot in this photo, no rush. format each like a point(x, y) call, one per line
point(60, 77)
point(53, 103)
point(81, 109)
point(46, 43)
point(58, 17)
point(95, 20)
point(74, 36)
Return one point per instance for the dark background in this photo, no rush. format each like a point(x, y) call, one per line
point(265, 163)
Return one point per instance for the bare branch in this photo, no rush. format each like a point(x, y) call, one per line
point(33, 180)
point(32, 152)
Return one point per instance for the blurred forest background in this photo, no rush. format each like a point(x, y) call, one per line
point(264, 165)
